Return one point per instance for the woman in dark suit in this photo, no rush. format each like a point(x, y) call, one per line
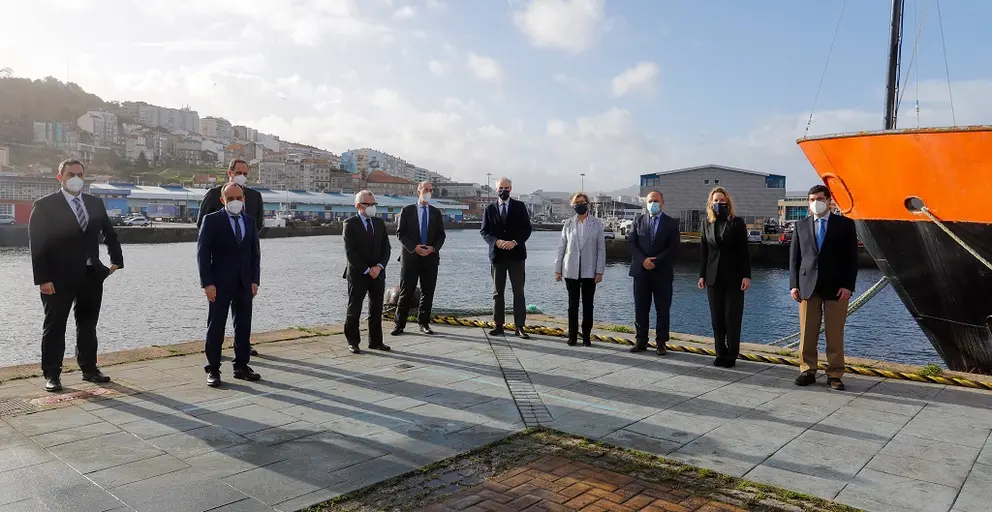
point(725, 273)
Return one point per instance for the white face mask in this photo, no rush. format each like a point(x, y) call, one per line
point(240, 179)
point(234, 207)
point(425, 197)
point(74, 184)
point(370, 211)
point(818, 207)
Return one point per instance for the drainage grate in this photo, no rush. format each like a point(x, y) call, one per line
point(12, 406)
point(69, 397)
point(529, 403)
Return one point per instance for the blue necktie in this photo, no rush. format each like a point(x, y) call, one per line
point(237, 229)
point(423, 226)
point(821, 232)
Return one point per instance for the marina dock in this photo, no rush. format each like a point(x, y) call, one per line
point(324, 423)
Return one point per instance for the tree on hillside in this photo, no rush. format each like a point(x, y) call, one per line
point(44, 100)
point(6, 72)
point(142, 164)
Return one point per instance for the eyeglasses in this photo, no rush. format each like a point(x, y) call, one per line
point(368, 204)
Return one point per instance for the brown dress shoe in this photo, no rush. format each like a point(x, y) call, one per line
point(806, 378)
point(835, 384)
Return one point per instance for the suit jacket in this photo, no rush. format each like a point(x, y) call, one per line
point(59, 248)
point(664, 247)
point(408, 233)
point(516, 227)
point(729, 260)
point(222, 262)
point(828, 269)
point(361, 254)
point(253, 206)
point(583, 256)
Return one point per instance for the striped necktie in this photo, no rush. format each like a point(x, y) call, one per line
point(77, 205)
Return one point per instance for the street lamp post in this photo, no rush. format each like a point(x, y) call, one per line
point(489, 186)
point(582, 181)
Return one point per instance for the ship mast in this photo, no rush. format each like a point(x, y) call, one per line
point(892, 78)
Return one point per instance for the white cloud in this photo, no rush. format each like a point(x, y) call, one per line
point(570, 25)
point(437, 68)
point(642, 78)
point(485, 68)
point(405, 12)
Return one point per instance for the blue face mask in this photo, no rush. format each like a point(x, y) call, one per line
point(654, 208)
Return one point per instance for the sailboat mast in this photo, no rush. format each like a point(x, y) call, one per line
point(892, 78)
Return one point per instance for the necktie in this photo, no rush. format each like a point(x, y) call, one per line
point(423, 226)
point(502, 212)
point(654, 228)
point(237, 229)
point(368, 227)
point(77, 204)
point(821, 232)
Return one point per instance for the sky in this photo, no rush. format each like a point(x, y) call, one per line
point(535, 90)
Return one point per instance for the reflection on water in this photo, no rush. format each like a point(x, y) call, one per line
point(156, 299)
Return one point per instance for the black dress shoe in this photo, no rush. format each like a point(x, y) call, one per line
point(97, 377)
point(571, 341)
point(522, 335)
point(586, 343)
point(426, 329)
point(662, 349)
point(253, 352)
point(354, 349)
point(382, 346)
point(718, 362)
point(396, 331)
point(806, 378)
point(639, 348)
point(835, 384)
point(498, 331)
point(53, 384)
point(213, 378)
point(729, 363)
point(246, 373)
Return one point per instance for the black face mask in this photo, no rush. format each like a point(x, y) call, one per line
point(721, 209)
point(581, 209)
point(504, 194)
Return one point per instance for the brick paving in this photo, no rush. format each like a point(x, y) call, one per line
point(559, 484)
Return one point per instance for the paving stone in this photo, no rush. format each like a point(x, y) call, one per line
point(827, 456)
point(51, 486)
point(236, 459)
point(822, 486)
point(179, 491)
point(247, 419)
point(136, 471)
point(185, 445)
point(75, 434)
point(884, 492)
point(163, 425)
point(22, 455)
point(976, 495)
point(104, 452)
point(52, 420)
point(283, 481)
point(628, 439)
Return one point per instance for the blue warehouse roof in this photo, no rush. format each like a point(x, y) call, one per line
point(180, 193)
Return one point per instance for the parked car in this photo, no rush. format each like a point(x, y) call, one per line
point(136, 221)
point(754, 236)
point(7, 219)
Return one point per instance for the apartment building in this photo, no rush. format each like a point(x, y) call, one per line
point(102, 126)
point(217, 128)
point(172, 119)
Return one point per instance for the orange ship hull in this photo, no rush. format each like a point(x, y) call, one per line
point(879, 179)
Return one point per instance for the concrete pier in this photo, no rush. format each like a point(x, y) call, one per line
point(324, 422)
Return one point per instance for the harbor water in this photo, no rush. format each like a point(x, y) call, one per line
point(156, 298)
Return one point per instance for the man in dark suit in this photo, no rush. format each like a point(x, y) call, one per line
point(506, 228)
point(237, 172)
point(420, 231)
point(64, 237)
point(654, 244)
point(229, 260)
point(366, 246)
point(823, 269)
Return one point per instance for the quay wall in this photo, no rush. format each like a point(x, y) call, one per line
point(764, 255)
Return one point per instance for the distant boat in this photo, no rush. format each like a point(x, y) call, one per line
point(919, 198)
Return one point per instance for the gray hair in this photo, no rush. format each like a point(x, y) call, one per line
point(360, 195)
point(508, 181)
point(420, 186)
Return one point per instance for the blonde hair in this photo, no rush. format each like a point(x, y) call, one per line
point(577, 195)
point(710, 214)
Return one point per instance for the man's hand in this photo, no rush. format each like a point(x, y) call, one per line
point(510, 244)
point(648, 263)
point(421, 250)
point(795, 294)
point(211, 292)
point(502, 244)
point(599, 278)
point(844, 294)
point(430, 249)
point(47, 289)
point(113, 268)
point(745, 284)
point(557, 276)
point(701, 283)
point(374, 272)
point(254, 289)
